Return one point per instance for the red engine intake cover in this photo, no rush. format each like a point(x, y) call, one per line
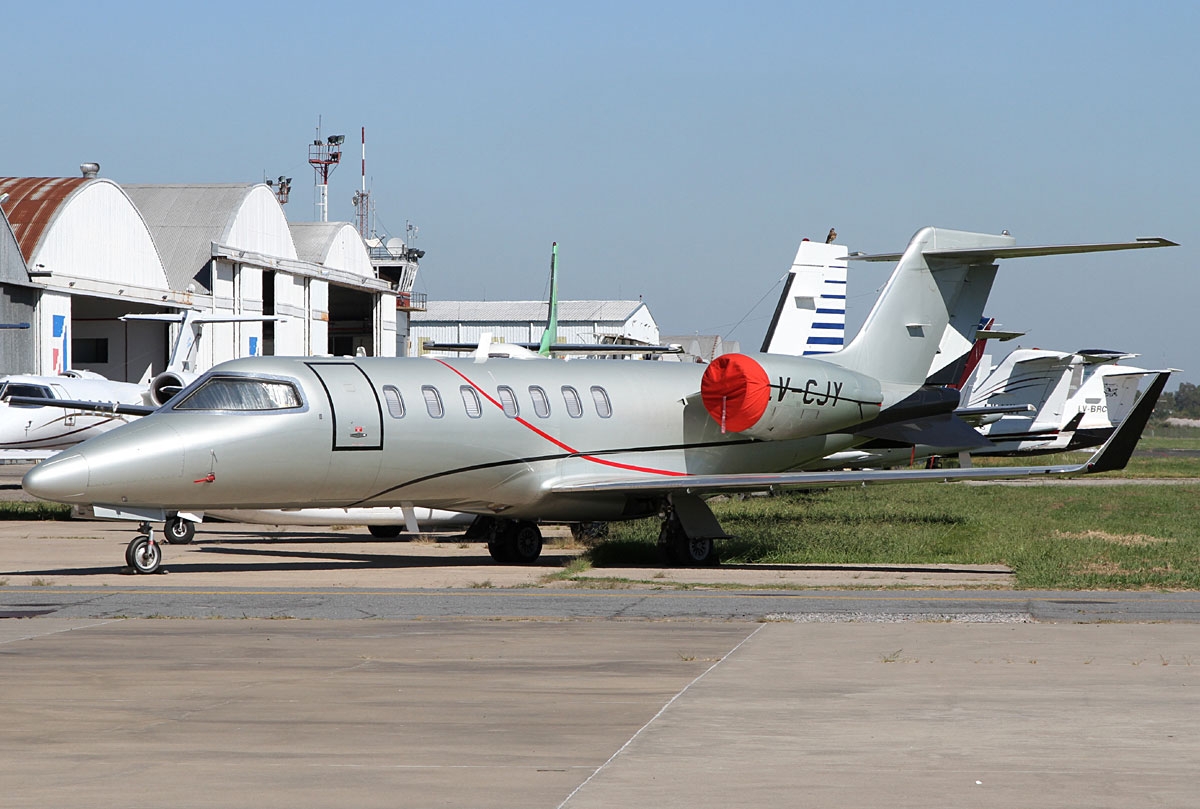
point(735, 390)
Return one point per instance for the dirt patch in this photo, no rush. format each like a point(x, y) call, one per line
point(1127, 540)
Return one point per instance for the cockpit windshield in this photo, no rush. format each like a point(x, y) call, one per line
point(241, 393)
point(8, 389)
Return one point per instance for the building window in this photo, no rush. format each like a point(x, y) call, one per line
point(600, 397)
point(395, 404)
point(433, 401)
point(90, 350)
point(541, 402)
point(574, 403)
point(509, 400)
point(471, 401)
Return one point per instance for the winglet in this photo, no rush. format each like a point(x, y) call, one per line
point(1119, 447)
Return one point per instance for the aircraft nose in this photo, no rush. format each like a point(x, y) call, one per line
point(62, 478)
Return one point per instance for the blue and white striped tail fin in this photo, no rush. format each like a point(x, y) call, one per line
point(810, 318)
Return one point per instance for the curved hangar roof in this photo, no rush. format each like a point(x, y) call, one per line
point(335, 245)
point(187, 220)
point(58, 221)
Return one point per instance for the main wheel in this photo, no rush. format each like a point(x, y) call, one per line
point(143, 555)
point(695, 551)
point(525, 543)
point(667, 542)
point(384, 531)
point(500, 549)
point(179, 531)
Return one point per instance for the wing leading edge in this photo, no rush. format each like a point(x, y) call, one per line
point(1114, 454)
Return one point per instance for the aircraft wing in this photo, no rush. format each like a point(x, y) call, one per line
point(1114, 454)
point(567, 348)
point(990, 253)
point(120, 408)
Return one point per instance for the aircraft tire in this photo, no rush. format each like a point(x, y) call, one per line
point(143, 555)
point(499, 549)
point(384, 531)
point(525, 543)
point(179, 531)
point(695, 552)
point(667, 542)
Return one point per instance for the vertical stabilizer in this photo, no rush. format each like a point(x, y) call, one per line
point(932, 290)
point(810, 317)
point(550, 335)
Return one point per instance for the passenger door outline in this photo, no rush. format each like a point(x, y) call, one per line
point(357, 420)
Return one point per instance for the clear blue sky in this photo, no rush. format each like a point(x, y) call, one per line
point(677, 151)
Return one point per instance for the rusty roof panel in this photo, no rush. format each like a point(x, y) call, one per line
point(32, 204)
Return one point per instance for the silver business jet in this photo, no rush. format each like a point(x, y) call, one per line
point(520, 442)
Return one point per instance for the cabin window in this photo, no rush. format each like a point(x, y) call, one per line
point(574, 403)
point(22, 389)
point(241, 393)
point(471, 401)
point(600, 397)
point(395, 403)
point(509, 400)
point(541, 402)
point(433, 401)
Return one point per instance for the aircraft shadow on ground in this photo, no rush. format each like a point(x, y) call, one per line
point(247, 560)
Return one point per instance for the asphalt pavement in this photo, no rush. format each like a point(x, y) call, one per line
point(322, 668)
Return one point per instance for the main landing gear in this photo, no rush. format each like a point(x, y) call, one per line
point(143, 554)
point(688, 530)
point(515, 542)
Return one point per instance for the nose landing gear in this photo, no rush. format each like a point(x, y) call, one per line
point(143, 554)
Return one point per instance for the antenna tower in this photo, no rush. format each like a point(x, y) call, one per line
point(362, 198)
point(324, 157)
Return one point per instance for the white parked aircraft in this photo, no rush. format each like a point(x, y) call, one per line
point(43, 418)
point(34, 427)
point(1077, 399)
point(522, 442)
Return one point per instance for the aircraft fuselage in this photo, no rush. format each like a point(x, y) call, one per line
point(485, 437)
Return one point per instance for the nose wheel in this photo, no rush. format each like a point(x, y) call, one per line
point(143, 554)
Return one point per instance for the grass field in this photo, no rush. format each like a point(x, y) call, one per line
point(1054, 536)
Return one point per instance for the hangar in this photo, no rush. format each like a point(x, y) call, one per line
point(78, 253)
point(17, 298)
point(628, 322)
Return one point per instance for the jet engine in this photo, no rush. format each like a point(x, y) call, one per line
point(777, 397)
point(164, 386)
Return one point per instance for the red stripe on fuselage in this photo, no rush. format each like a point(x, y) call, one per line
point(555, 441)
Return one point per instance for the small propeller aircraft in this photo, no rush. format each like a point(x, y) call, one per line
point(520, 442)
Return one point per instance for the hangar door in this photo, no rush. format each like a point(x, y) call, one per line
point(357, 416)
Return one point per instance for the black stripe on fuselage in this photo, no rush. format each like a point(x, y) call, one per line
point(557, 456)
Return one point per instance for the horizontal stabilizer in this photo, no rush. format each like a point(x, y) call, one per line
point(977, 414)
point(996, 334)
point(991, 253)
